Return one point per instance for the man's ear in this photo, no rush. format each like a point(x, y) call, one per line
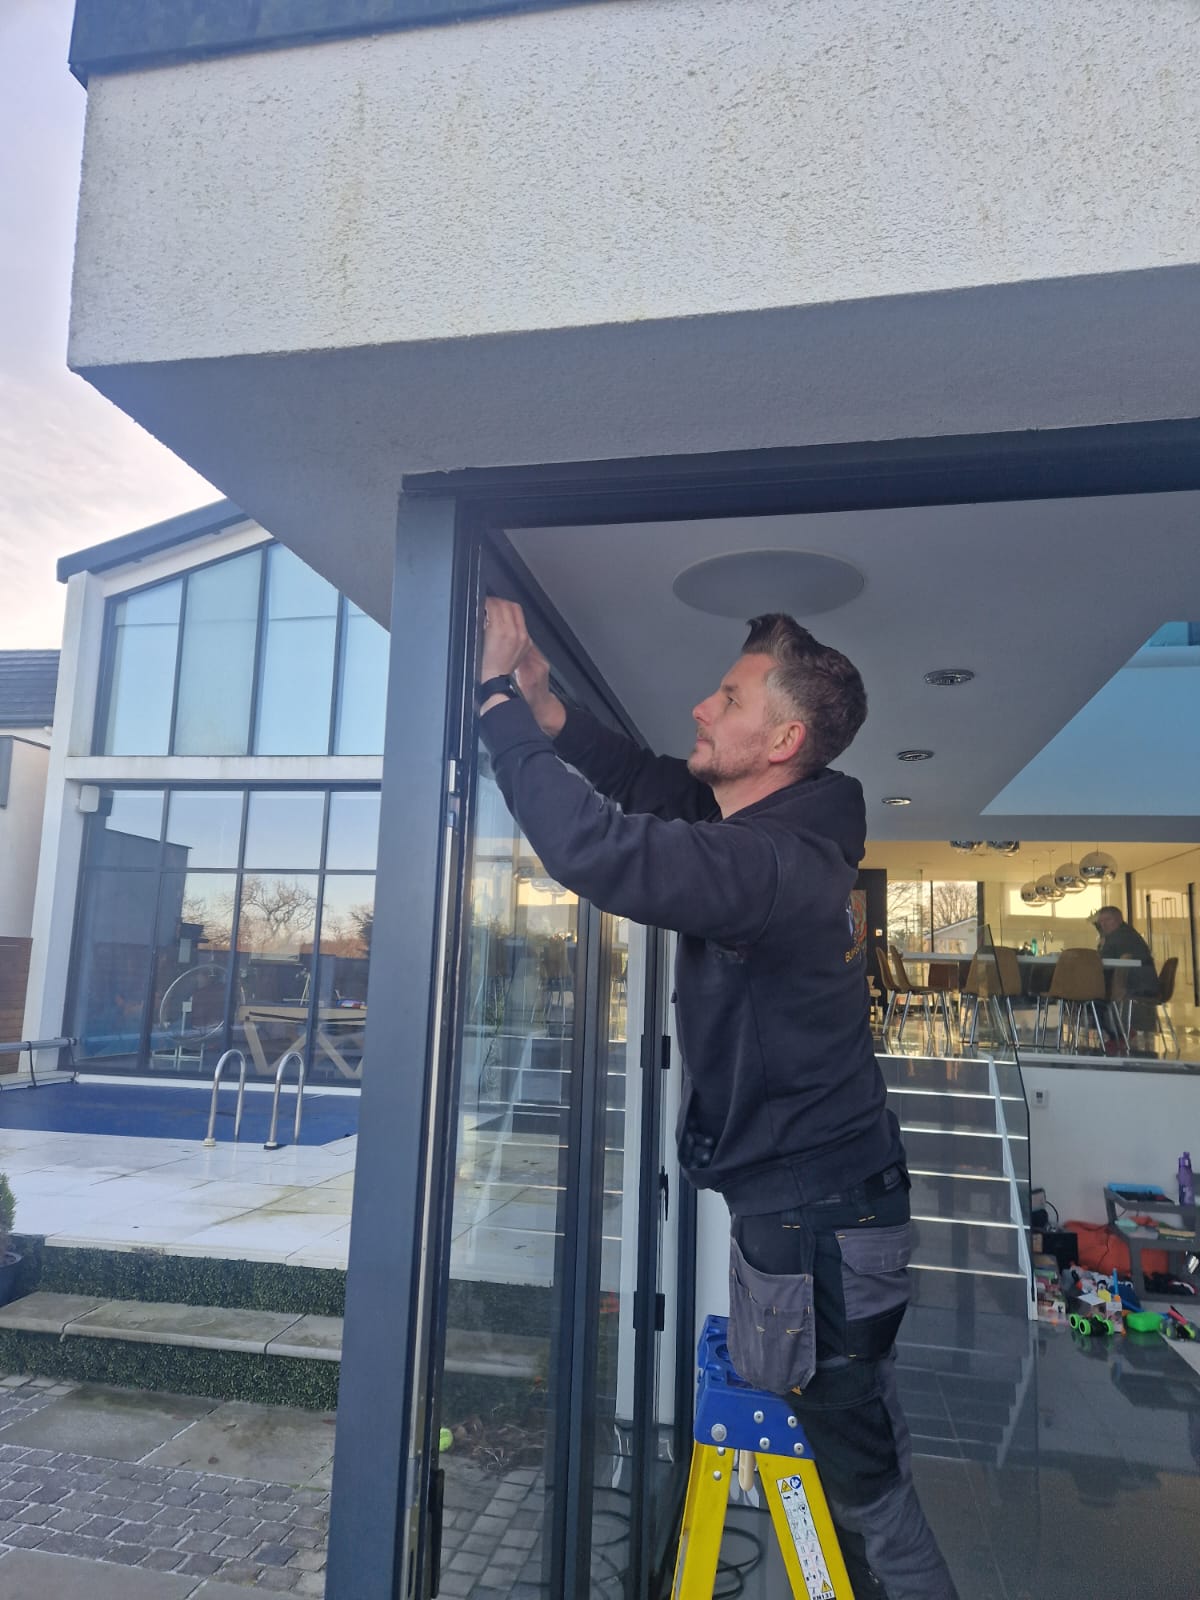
point(788, 742)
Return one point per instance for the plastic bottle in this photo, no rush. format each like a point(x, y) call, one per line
point(1187, 1183)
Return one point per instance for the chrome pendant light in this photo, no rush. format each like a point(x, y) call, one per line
point(1097, 867)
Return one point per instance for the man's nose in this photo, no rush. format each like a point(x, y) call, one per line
point(700, 712)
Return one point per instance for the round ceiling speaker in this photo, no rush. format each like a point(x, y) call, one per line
point(949, 677)
point(1068, 879)
point(746, 583)
point(1030, 894)
point(1097, 867)
point(1047, 888)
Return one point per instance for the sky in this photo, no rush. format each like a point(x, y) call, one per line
point(73, 469)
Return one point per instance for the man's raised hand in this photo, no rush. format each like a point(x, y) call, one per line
point(533, 680)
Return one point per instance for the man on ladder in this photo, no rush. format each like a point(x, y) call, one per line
point(749, 850)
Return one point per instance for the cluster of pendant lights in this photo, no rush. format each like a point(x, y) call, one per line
point(1072, 877)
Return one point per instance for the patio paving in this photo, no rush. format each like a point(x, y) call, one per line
point(96, 1500)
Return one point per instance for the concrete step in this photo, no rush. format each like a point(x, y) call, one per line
point(252, 1332)
point(261, 1333)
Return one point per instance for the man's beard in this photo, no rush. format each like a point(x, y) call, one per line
point(705, 764)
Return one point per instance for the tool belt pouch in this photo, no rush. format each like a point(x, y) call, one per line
point(772, 1329)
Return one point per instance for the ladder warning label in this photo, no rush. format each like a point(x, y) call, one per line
point(805, 1538)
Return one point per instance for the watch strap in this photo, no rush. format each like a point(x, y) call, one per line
point(491, 686)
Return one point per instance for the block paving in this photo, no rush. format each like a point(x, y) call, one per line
point(270, 1536)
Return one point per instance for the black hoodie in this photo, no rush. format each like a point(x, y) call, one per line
point(770, 978)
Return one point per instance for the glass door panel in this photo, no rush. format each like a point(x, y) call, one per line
point(614, 1388)
point(505, 1295)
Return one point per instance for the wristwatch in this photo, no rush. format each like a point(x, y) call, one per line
point(490, 686)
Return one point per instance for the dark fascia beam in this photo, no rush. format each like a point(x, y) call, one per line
point(1124, 458)
point(145, 33)
point(149, 541)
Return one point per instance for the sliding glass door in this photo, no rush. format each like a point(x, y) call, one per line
point(547, 1318)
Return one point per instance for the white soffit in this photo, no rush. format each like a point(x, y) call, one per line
point(1044, 600)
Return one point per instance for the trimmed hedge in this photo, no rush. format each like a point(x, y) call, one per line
point(150, 1275)
point(174, 1369)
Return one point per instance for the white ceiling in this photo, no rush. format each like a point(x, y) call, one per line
point(1043, 600)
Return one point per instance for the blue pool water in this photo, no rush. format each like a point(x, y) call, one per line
point(148, 1111)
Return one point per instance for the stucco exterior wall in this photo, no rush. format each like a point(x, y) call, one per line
point(631, 161)
point(20, 831)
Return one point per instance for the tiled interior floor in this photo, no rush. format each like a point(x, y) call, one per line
point(1095, 1489)
point(237, 1201)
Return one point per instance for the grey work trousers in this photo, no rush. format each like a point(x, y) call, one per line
point(855, 1248)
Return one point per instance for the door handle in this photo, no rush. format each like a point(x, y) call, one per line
point(664, 1189)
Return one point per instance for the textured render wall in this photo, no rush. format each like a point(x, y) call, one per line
point(650, 159)
point(20, 836)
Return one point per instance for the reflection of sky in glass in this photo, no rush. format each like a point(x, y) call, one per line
point(208, 823)
point(353, 831)
point(284, 829)
point(136, 811)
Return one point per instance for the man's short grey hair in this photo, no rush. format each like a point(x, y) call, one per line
point(814, 683)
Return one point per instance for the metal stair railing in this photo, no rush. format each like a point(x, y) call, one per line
point(297, 1055)
point(210, 1137)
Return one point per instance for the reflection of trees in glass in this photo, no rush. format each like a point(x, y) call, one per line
point(275, 912)
point(348, 933)
point(214, 917)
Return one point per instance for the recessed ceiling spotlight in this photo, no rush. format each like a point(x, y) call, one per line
point(949, 677)
point(914, 755)
point(897, 800)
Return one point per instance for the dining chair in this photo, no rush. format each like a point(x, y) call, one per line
point(1077, 987)
point(910, 991)
point(994, 976)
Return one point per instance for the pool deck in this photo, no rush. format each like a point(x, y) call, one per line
point(239, 1202)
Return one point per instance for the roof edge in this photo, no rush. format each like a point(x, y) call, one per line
point(149, 541)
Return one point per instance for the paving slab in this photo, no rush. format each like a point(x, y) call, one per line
point(35, 1575)
point(280, 1445)
point(121, 1424)
point(44, 1312)
point(318, 1338)
point(199, 1327)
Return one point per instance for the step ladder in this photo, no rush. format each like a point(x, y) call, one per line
point(744, 1430)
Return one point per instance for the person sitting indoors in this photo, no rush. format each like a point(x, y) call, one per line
point(1120, 942)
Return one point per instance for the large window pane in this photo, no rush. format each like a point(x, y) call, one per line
point(353, 831)
point(113, 954)
point(363, 693)
point(347, 920)
point(296, 687)
point(276, 935)
point(216, 674)
point(205, 828)
point(191, 967)
point(283, 828)
point(145, 633)
point(127, 828)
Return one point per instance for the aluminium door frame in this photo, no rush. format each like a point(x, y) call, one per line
point(377, 1468)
